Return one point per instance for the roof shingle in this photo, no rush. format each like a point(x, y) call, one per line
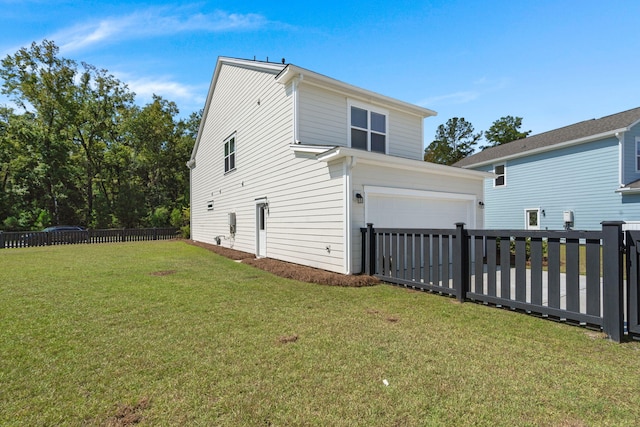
point(569, 133)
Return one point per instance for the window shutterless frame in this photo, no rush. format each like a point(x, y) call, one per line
point(230, 154)
point(637, 153)
point(368, 127)
point(501, 172)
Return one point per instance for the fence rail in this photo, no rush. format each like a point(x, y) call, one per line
point(514, 269)
point(43, 238)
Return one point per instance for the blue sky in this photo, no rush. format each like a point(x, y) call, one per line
point(553, 63)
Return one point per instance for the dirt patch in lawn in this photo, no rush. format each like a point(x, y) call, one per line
point(288, 339)
point(127, 415)
point(290, 270)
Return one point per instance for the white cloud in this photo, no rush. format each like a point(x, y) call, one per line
point(192, 97)
point(450, 98)
point(152, 22)
point(463, 97)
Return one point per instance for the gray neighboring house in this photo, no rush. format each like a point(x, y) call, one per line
point(574, 177)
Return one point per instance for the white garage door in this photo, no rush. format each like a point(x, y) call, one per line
point(417, 209)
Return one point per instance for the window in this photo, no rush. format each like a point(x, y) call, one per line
point(368, 129)
point(532, 219)
point(637, 153)
point(500, 180)
point(230, 154)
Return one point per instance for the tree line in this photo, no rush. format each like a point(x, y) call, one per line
point(457, 139)
point(76, 149)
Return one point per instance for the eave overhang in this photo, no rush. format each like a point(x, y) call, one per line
point(330, 154)
point(291, 72)
point(525, 153)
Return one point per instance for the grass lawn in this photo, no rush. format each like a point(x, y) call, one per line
point(164, 333)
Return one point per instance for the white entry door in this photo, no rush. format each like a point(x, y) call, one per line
point(261, 230)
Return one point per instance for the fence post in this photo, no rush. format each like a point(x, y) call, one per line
point(461, 262)
point(1, 240)
point(612, 289)
point(371, 250)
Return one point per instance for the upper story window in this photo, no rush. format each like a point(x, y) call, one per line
point(230, 154)
point(501, 178)
point(637, 153)
point(368, 129)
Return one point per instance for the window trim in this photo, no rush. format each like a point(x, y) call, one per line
point(526, 218)
point(637, 154)
point(231, 154)
point(369, 109)
point(503, 175)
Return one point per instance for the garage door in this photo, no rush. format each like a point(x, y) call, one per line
point(418, 209)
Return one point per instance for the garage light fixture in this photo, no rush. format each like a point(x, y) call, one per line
point(359, 198)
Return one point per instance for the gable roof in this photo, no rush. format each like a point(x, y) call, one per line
point(267, 67)
point(284, 73)
point(293, 71)
point(588, 130)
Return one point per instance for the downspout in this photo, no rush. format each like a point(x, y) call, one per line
point(348, 201)
point(296, 108)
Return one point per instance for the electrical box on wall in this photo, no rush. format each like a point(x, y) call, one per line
point(567, 216)
point(232, 222)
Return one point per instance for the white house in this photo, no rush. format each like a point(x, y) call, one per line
point(290, 164)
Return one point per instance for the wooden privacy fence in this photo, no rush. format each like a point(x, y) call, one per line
point(43, 238)
point(573, 276)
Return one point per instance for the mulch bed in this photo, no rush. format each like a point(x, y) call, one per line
point(290, 270)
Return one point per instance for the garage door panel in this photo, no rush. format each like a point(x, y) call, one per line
point(388, 211)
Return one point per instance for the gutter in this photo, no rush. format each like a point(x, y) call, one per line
point(552, 147)
point(385, 160)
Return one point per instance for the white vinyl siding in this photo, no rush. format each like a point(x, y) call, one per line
point(305, 198)
point(323, 120)
point(405, 132)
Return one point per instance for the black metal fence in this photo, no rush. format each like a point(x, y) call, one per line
point(573, 276)
point(25, 239)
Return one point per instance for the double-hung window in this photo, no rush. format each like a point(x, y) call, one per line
point(501, 175)
point(230, 154)
point(368, 129)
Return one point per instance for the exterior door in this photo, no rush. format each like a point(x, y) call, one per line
point(261, 230)
point(532, 219)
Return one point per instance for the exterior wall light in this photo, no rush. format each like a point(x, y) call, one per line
point(359, 198)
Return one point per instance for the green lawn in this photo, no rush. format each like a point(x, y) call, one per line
point(170, 334)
